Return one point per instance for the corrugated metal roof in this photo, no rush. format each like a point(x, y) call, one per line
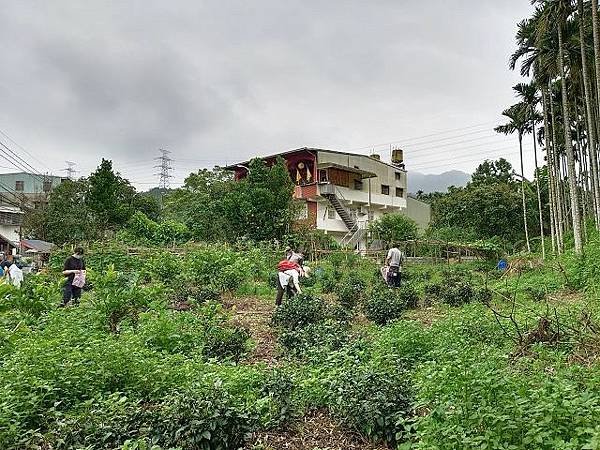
point(11, 209)
point(38, 245)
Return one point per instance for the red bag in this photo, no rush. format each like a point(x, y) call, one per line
point(284, 265)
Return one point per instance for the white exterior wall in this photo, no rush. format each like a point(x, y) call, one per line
point(369, 198)
point(10, 232)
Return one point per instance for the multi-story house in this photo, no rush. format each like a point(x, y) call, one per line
point(340, 193)
point(25, 188)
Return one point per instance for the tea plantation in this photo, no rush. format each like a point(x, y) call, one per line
point(187, 351)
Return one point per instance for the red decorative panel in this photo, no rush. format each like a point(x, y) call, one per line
point(306, 191)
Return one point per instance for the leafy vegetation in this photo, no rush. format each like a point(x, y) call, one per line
point(458, 357)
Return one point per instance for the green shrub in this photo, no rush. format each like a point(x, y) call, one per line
point(279, 387)
point(202, 419)
point(170, 331)
point(384, 305)
point(455, 289)
point(350, 292)
point(221, 268)
point(119, 296)
point(330, 335)
point(372, 401)
point(226, 343)
point(38, 294)
point(299, 311)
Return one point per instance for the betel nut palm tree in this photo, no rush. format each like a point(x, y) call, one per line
point(519, 123)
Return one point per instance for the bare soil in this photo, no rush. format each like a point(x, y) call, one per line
point(426, 315)
point(566, 296)
point(316, 430)
point(254, 314)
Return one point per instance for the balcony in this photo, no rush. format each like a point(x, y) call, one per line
point(359, 198)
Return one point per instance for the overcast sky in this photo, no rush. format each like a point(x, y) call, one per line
point(221, 81)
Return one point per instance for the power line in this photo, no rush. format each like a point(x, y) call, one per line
point(24, 150)
point(28, 166)
point(19, 162)
point(404, 141)
point(463, 161)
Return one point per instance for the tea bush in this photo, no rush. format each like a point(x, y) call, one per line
point(372, 401)
point(350, 292)
point(384, 305)
point(226, 342)
point(329, 335)
point(38, 294)
point(299, 311)
point(454, 289)
point(171, 332)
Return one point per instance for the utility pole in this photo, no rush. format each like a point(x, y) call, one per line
point(70, 169)
point(164, 174)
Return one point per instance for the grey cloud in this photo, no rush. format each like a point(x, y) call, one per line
point(223, 80)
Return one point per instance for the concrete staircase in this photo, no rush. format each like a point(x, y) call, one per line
point(341, 210)
point(355, 232)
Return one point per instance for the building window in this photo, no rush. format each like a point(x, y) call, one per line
point(358, 185)
point(19, 186)
point(323, 176)
point(47, 186)
point(385, 189)
point(331, 213)
point(398, 176)
point(399, 192)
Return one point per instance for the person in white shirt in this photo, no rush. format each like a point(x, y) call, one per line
point(394, 261)
point(288, 282)
point(15, 275)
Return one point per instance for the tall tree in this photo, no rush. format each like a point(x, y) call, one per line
point(591, 129)
point(109, 196)
point(553, 19)
point(527, 92)
point(518, 122)
point(66, 218)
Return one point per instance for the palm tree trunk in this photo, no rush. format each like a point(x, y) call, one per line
point(574, 195)
point(591, 135)
point(557, 180)
point(523, 194)
point(537, 188)
point(550, 169)
point(582, 176)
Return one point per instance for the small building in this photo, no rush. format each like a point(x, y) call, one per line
point(11, 219)
point(27, 188)
point(342, 192)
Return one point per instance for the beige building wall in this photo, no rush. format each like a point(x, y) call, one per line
point(386, 174)
point(418, 211)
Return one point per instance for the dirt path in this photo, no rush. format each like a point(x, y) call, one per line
point(316, 430)
point(255, 314)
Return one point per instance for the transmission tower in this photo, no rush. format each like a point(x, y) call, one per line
point(164, 165)
point(70, 169)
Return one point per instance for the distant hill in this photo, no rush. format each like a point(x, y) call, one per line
point(436, 182)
